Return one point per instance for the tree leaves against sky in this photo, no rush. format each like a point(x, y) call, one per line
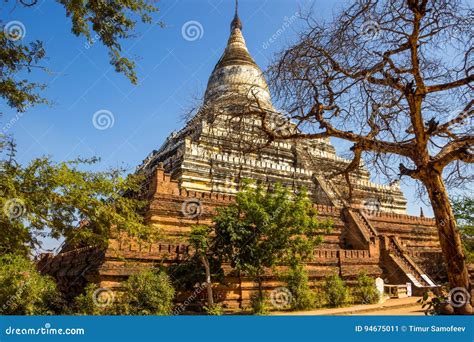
point(109, 22)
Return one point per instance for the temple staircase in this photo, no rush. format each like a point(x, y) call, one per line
point(365, 225)
point(329, 189)
point(398, 255)
point(359, 233)
point(400, 268)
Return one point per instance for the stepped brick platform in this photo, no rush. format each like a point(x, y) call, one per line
point(347, 250)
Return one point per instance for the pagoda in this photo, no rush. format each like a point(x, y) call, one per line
point(222, 144)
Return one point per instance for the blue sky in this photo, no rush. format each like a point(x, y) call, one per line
point(172, 71)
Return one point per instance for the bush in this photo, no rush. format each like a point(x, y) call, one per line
point(298, 284)
point(365, 291)
point(214, 310)
point(148, 293)
point(24, 291)
point(319, 298)
point(337, 294)
point(259, 306)
point(95, 301)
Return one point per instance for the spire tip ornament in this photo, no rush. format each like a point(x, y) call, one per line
point(236, 23)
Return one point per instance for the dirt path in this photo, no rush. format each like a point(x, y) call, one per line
point(400, 306)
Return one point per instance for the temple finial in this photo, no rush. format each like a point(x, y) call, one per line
point(236, 23)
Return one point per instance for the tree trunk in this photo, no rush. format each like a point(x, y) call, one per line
point(210, 297)
point(449, 237)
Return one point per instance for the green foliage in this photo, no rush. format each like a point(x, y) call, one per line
point(191, 271)
point(265, 228)
point(200, 238)
point(15, 58)
point(187, 274)
point(319, 298)
point(365, 291)
point(298, 284)
point(337, 294)
point(463, 208)
point(51, 199)
point(108, 22)
point(23, 291)
point(88, 303)
point(214, 310)
point(432, 303)
point(259, 305)
point(148, 293)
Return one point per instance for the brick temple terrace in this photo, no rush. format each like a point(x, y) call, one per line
point(201, 167)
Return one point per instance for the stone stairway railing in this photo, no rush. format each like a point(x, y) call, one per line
point(359, 233)
point(331, 191)
point(407, 265)
point(366, 223)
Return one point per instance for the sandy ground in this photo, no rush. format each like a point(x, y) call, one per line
point(401, 306)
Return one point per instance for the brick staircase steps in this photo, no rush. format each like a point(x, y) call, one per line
point(412, 271)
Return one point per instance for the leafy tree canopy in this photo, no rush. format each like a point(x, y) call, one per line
point(109, 22)
point(23, 291)
point(463, 208)
point(265, 228)
point(62, 200)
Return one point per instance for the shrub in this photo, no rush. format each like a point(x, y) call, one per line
point(148, 293)
point(24, 291)
point(95, 301)
point(365, 291)
point(319, 298)
point(259, 306)
point(214, 310)
point(337, 294)
point(298, 284)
